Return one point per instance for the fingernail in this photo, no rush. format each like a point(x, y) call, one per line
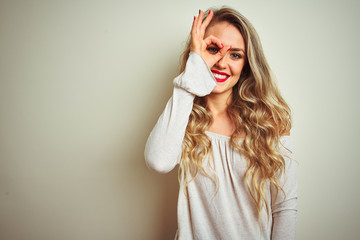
point(194, 17)
point(230, 48)
point(209, 11)
point(199, 11)
point(222, 45)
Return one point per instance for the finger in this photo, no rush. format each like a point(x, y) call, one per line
point(206, 22)
point(193, 27)
point(196, 41)
point(200, 17)
point(224, 50)
point(213, 40)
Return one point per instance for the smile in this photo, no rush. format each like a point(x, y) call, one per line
point(220, 76)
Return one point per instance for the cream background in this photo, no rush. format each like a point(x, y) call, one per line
point(83, 82)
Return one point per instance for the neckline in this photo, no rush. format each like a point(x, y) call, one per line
point(217, 135)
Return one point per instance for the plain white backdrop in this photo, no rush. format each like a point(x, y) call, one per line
point(83, 83)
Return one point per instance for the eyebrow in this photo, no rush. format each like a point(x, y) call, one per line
point(237, 50)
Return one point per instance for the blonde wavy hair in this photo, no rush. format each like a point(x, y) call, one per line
point(258, 112)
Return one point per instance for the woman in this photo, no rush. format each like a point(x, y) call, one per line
point(227, 127)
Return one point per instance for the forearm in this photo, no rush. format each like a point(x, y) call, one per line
point(284, 225)
point(163, 148)
point(284, 200)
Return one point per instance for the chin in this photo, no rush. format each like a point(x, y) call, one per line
point(220, 90)
point(217, 89)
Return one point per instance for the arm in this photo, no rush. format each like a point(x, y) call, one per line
point(284, 210)
point(163, 147)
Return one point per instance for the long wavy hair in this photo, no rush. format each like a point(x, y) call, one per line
point(259, 113)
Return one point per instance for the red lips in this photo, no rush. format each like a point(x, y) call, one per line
point(220, 73)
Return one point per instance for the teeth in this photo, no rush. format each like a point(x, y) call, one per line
point(220, 76)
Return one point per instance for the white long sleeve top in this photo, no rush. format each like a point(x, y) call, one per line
point(229, 213)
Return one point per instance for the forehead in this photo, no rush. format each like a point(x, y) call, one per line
point(227, 33)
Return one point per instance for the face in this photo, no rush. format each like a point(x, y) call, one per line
point(228, 69)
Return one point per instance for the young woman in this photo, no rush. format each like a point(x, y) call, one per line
point(227, 127)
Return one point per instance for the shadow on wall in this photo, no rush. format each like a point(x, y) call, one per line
point(155, 193)
point(149, 199)
point(167, 186)
point(170, 191)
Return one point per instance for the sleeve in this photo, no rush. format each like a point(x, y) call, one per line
point(163, 147)
point(284, 210)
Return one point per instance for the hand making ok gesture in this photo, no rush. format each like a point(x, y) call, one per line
point(200, 45)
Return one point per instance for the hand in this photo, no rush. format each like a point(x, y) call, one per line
point(200, 45)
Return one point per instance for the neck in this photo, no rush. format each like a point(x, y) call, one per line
point(218, 103)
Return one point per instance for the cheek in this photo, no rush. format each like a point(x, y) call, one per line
point(236, 68)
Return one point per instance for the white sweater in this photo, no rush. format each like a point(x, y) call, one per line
point(231, 212)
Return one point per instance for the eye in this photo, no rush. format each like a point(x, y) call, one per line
point(236, 55)
point(212, 50)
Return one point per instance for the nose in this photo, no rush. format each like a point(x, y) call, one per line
point(221, 64)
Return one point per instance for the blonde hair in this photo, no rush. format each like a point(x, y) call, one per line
point(257, 110)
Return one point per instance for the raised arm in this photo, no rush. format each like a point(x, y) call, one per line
point(284, 210)
point(163, 148)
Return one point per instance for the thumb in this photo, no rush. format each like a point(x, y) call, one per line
point(222, 52)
